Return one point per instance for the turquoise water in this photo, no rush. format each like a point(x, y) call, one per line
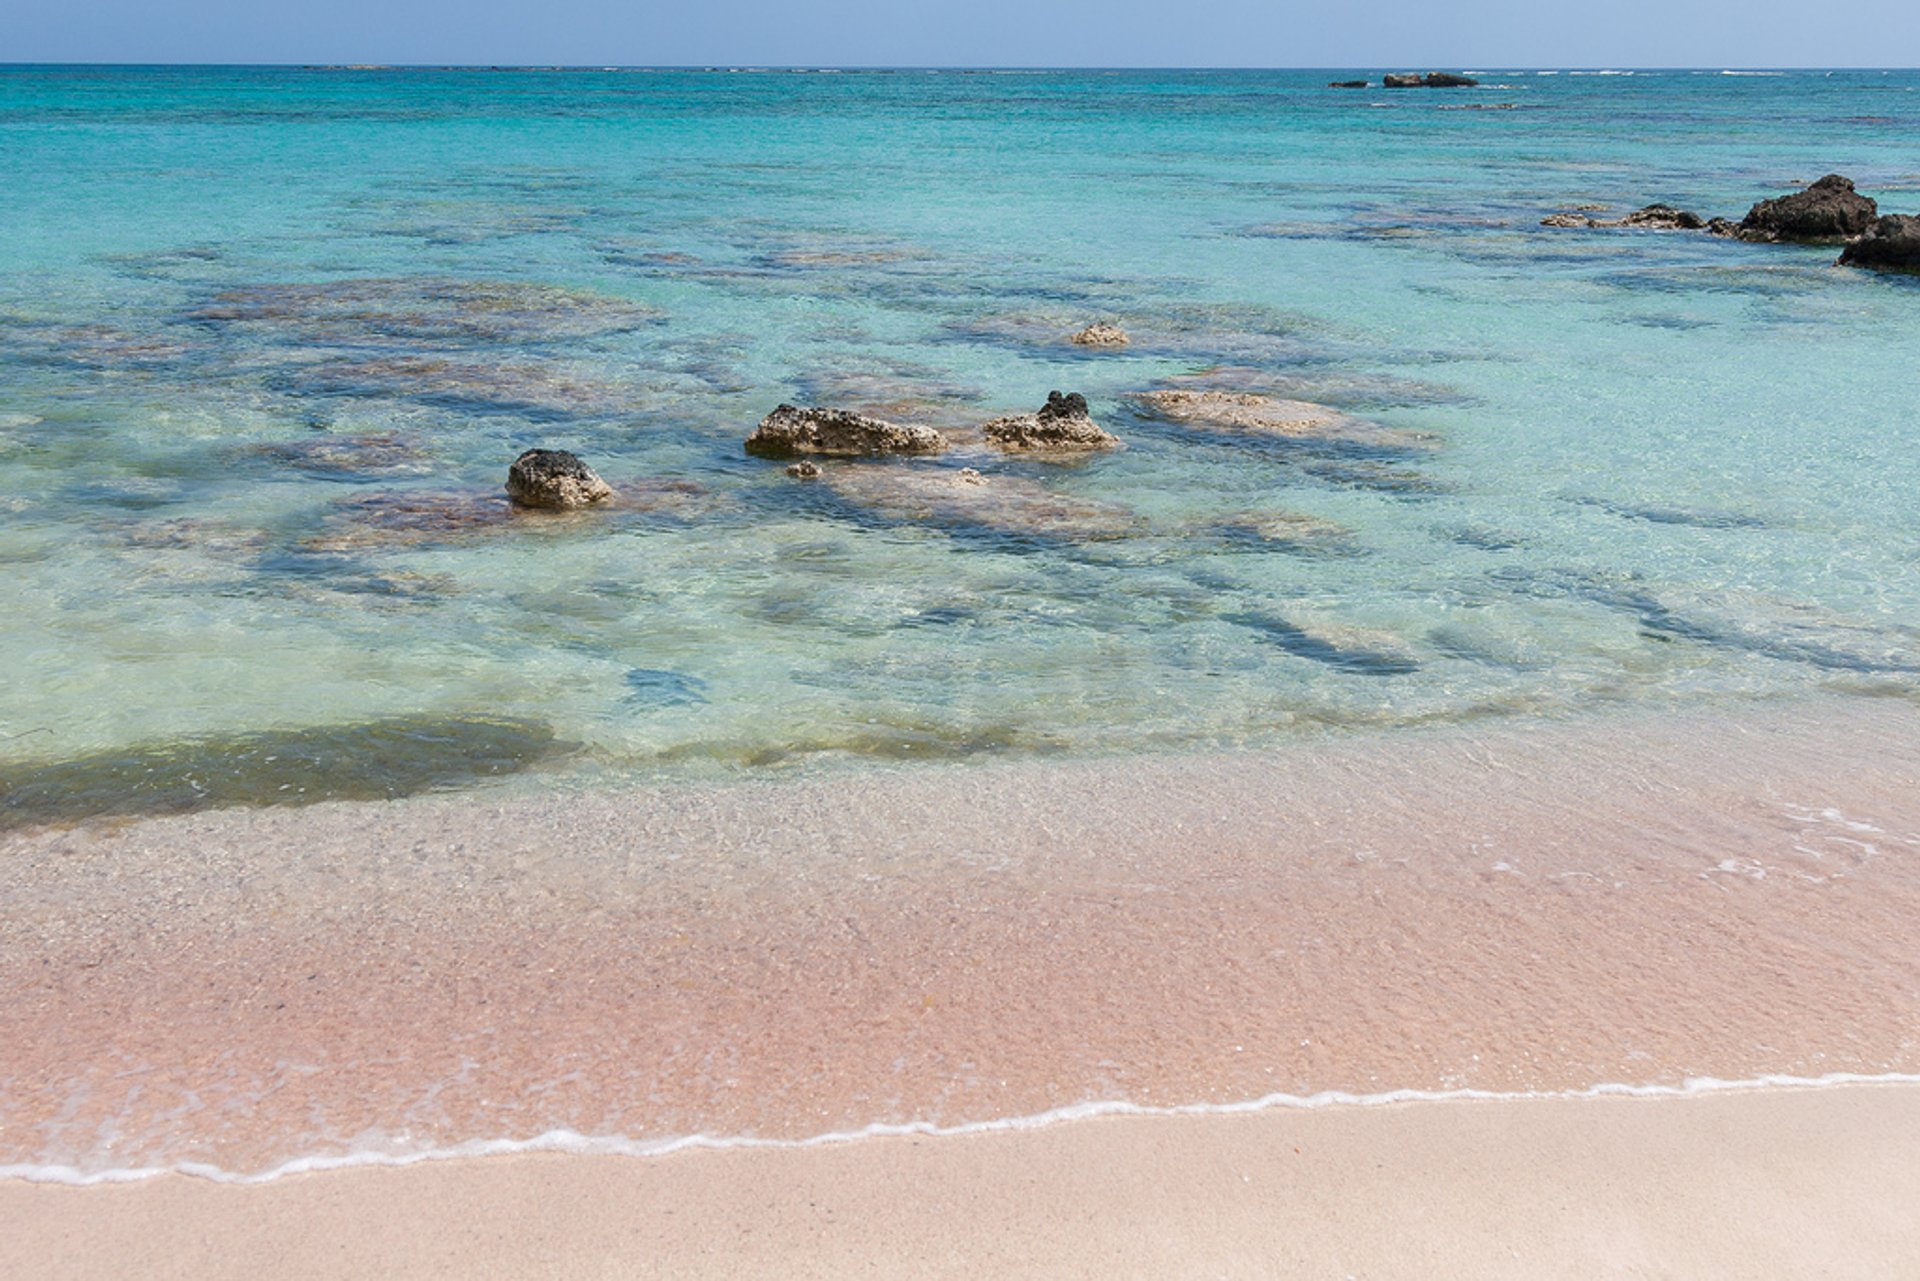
point(269, 338)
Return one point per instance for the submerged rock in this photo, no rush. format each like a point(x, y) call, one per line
point(1891, 244)
point(1293, 532)
point(343, 457)
point(403, 518)
point(804, 470)
point(1100, 334)
point(1246, 413)
point(1828, 210)
point(422, 309)
point(554, 478)
point(469, 385)
point(1431, 80)
point(1062, 423)
point(367, 760)
point(1652, 218)
point(789, 431)
point(1357, 651)
point(966, 499)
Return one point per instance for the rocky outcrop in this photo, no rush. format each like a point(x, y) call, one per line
point(1100, 334)
point(1891, 244)
point(1061, 424)
point(1829, 210)
point(1431, 80)
point(555, 479)
point(1348, 84)
point(789, 432)
point(1652, 218)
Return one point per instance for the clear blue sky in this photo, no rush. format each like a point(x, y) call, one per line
point(1275, 33)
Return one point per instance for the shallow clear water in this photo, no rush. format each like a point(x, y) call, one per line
point(268, 340)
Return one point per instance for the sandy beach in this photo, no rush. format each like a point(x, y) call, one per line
point(1762, 1184)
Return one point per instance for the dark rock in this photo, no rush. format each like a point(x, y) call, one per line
point(1652, 218)
point(804, 470)
point(1060, 424)
point(1431, 80)
point(554, 478)
point(1891, 244)
point(1664, 218)
point(1828, 210)
point(789, 432)
point(1347, 84)
point(1722, 227)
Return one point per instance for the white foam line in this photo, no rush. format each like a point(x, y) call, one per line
point(576, 1144)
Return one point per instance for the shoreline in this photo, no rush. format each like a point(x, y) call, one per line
point(594, 1147)
point(1642, 901)
point(1755, 1184)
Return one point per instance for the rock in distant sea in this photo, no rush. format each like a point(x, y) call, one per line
point(1431, 80)
point(1062, 423)
point(1100, 334)
point(1891, 244)
point(1652, 218)
point(1828, 210)
point(554, 478)
point(789, 432)
point(1348, 84)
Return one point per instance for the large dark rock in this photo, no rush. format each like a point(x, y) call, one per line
point(1347, 84)
point(1062, 423)
point(1891, 244)
point(1828, 210)
point(554, 478)
point(789, 432)
point(1431, 80)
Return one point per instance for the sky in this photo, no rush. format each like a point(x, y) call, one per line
point(1373, 34)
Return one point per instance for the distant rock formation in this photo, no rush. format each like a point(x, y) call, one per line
point(789, 432)
point(1431, 80)
point(1829, 210)
point(554, 478)
point(1891, 244)
point(1060, 424)
point(1349, 84)
point(1652, 218)
point(1100, 334)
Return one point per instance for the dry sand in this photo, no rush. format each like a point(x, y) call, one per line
point(1764, 1184)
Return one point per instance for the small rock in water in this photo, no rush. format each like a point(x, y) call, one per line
point(789, 431)
point(1347, 84)
point(1062, 423)
point(554, 478)
point(1652, 218)
point(1100, 334)
point(1431, 80)
point(1891, 244)
point(1828, 210)
point(804, 470)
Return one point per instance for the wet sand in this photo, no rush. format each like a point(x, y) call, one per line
point(1762, 1185)
point(1638, 900)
